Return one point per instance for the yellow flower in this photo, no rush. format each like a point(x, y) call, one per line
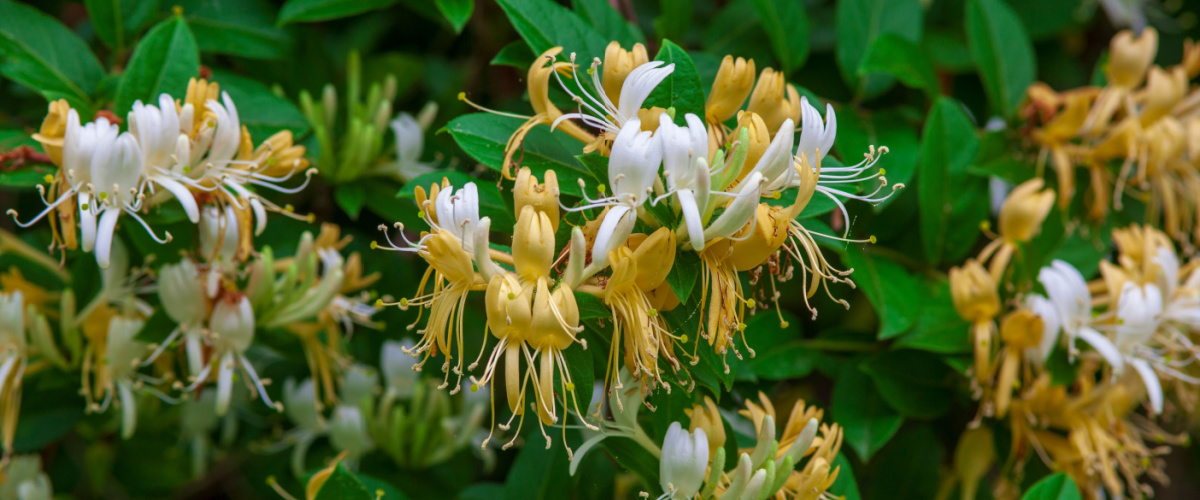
point(760, 138)
point(1024, 210)
point(976, 300)
point(53, 130)
point(734, 81)
point(774, 100)
point(618, 62)
point(543, 197)
point(533, 244)
point(707, 417)
point(640, 266)
point(1130, 56)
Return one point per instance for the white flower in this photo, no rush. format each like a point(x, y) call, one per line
point(601, 113)
point(458, 212)
point(219, 233)
point(1047, 311)
point(232, 327)
point(166, 148)
point(348, 431)
point(24, 480)
point(410, 144)
point(683, 461)
point(1138, 313)
point(632, 167)
point(1068, 291)
point(123, 352)
point(300, 403)
point(358, 382)
point(775, 165)
point(685, 166)
point(182, 294)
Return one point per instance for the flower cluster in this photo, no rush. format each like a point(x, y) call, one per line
point(1136, 135)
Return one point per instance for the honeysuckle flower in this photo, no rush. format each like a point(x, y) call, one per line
point(774, 460)
point(638, 268)
point(303, 408)
point(1022, 332)
point(123, 357)
point(632, 168)
point(1068, 292)
point(455, 223)
point(231, 325)
point(348, 433)
point(409, 132)
point(166, 149)
point(181, 291)
point(707, 418)
point(976, 300)
point(774, 100)
point(618, 64)
point(1021, 217)
point(683, 462)
point(731, 87)
point(399, 375)
point(24, 479)
point(542, 196)
point(603, 112)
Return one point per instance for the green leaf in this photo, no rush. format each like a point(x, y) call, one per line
point(483, 137)
point(491, 201)
point(683, 275)
point(786, 24)
point(1057, 487)
point(602, 16)
point(583, 376)
point(591, 307)
point(858, 132)
point(846, 486)
point(163, 62)
point(685, 320)
point(26, 178)
point(949, 146)
point(939, 329)
point(859, 23)
point(915, 383)
point(243, 28)
point(515, 54)
point(539, 473)
point(683, 89)
point(596, 164)
point(116, 21)
point(260, 110)
point(350, 198)
point(866, 419)
point(889, 288)
point(1002, 51)
point(457, 12)
point(634, 458)
point(787, 361)
point(343, 485)
point(909, 468)
point(894, 55)
point(306, 11)
point(545, 24)
point(43, 55)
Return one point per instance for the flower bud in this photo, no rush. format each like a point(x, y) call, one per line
point(219, 234)
point(181, 291)
point(123, 350)
point(358, 382)
point(533, 244)
point(734, 81)
point(974, 292)
point(1129, 57)
point(1024, 210)
point(683, 461)
point(1164, 89)
point(774, 100)
point(760, 138)
point(444, 252)
point(707, 419)
point(232, 321)
point(53, 130)
point(543, 197)
point(618, 62)
point(300, 404)
point(555, 317)
point(348, 431)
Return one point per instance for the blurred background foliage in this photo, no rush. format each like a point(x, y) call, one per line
point(940, 82)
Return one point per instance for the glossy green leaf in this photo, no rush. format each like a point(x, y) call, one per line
point(889, 287)
point(350, 198)
point(1002, 52)
point(786, 24)
point(515, 54)
point(674, 18)
point(909, 467)
point(867, 421)
point(683, 89)
point(939, 328)
point(117, 21)
point(894, 55)
point(915, 383)
point(684, 274)
point(483, 137)
point(343, 485)
point(457, 12)
point(43, 55)
point(1057, 487)
point(305, 11)
point(859, 23)
point(602, 16)
point(949, 146)
point(846, 486)
point(634, 458)
point(539, 473)
point(163, 62)
point(545, 24)
point(260, 110)
point(244, 28)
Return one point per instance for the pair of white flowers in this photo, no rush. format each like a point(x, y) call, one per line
point(1144, 311)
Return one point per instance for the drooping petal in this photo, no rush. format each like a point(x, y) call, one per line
point(1153, 385)
point(1105, 347)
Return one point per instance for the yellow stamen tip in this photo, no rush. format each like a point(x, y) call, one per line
point(741, 327)
point(378, 302)
point(187, 169)
point(177, 10)
point(683, 338)
point(882, 171)
point(652, 312)
point(784, 324)
point(289, 208)
point(777, 195)
point(48, 178)
point(750, 303)
point(985, 225)
point(512, 296)
point(462, 96)
point(312, 218)
point(474, 387)
point(84, 206)
point(374, 245)
point(872, 239)
point(403, 302)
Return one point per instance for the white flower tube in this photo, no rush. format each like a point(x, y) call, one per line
point(683, 461)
